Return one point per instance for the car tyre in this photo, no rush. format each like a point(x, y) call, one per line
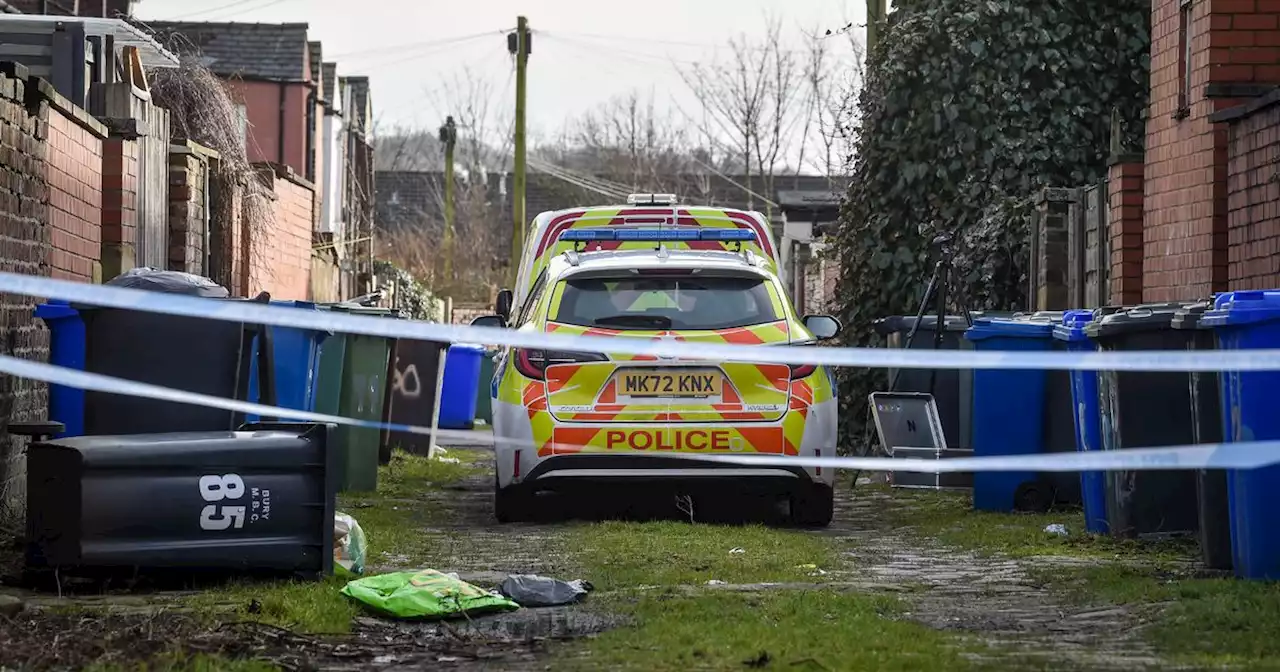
point(511, 504)
point(813, 506)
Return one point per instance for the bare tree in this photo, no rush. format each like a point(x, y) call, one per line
point(833, 74)
point(751, 101)
point(481, 226)
point(625, 140)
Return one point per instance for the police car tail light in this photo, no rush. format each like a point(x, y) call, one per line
point(799, 371)
point(534, 363)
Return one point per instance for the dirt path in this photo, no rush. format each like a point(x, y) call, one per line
point(992, 599)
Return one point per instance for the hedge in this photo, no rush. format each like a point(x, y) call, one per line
point(968, 109)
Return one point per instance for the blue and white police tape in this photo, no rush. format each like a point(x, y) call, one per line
point(331, 321)
point(1204, 456)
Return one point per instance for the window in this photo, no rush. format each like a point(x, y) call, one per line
point(1184, 60)
point(670, 302)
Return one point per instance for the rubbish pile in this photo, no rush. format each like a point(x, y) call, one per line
point(428, 594)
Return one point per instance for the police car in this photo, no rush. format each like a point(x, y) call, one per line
point(658, 271)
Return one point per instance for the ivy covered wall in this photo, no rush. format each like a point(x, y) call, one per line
point(969, 108)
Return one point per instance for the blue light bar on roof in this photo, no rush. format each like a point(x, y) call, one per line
point(658, 234)
point(727, 234)
point(673, 234)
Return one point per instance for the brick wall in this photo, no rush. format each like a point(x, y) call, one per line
point(119, 205)
point(24, 248)
point(1233, 43)
point(1253, 197)
point(280, 252)
point(50, 207)
point(188, 207)
point(74, 165)
point(1124, 224)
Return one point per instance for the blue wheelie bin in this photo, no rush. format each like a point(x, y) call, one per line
point(461, 378)
point(1009, 414)
point(1084, 402)
point(66, 349)
point(296, 356)
point(1250, 320)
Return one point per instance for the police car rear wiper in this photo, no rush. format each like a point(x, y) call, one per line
point(656, 321)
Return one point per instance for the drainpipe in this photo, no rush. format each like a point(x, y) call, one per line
point(311, 138)
point(284, 99)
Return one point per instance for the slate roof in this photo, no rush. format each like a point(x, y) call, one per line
point(357, 101)
point(330, 80)
point(271, 51)
point(313, 54)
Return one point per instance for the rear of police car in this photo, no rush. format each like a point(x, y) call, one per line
point(596, 419)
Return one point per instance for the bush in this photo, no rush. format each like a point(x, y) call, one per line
point(969, 108)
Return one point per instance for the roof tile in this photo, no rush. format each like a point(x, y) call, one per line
point(273, 51)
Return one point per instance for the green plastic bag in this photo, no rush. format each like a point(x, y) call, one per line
point(427, 594)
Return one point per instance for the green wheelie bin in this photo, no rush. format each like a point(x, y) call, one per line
point(352, 384)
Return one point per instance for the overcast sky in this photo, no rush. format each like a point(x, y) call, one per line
point(584, 51)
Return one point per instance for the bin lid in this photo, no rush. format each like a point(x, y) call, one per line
point(901, 324)
point(995, 327)
point(1190, 316)
point(1243, 307)
point(55, 309)
point(306, 305)
point(360, 310)
point(1040, 316)
point(1143, 317)
point(1072, 327)
point(467, 347)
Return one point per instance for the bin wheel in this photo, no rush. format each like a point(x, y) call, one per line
point(512, 505)
point(1034, 496)
point(813, 506)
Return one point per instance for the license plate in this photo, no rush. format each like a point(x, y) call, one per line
point(671, 384)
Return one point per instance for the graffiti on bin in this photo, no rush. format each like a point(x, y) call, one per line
point(415, 372)
point(406, 382)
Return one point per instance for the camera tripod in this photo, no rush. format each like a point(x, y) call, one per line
point(936, 294)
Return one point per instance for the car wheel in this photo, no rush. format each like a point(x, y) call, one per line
point(813, 506)
point(511, 505)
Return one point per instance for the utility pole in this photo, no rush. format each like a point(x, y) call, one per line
point(448, 138)
point(876, 12)
point(519, 46)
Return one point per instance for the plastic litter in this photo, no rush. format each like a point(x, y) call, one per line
point(737, 551)
point(1057, 529)
point(529, 590)
point(349, 545)
point(170, 282)
point(426, 594)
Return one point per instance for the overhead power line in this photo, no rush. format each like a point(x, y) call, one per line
point(444, 41)
point(231, 5)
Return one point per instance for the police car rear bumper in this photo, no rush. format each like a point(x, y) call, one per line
point(572, 472)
